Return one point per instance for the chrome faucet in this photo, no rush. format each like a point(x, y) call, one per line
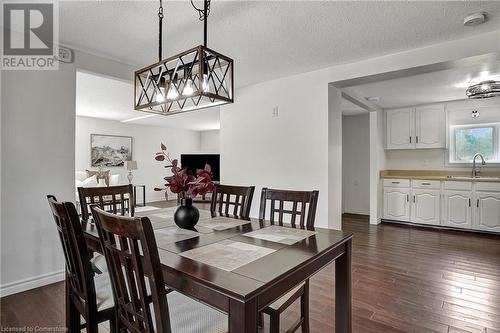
point(475, 172)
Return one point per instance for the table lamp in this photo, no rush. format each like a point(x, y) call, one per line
point(130, 165)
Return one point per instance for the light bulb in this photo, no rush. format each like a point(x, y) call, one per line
point(160, 96)
point(205, 84)
point(188, 88)
point(485, 87)
point(172, 92)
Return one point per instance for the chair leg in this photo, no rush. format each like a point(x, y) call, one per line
point(304, 308)
point(260, 319)
point(112, 325)
point(274, 323)
point(74, 319)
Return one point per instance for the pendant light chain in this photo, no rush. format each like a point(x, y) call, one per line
point(160, 30)
point(203, 13)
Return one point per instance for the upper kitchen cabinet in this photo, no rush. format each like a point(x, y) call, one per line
point(421, 127)
point(400, 124)
point(430, 126)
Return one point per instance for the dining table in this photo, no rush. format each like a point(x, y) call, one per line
point(240, 266)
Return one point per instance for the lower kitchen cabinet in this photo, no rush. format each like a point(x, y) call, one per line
point(457, 209)
point(425, 206)
point(465, 205)
point(396, 203)
point(487, 212)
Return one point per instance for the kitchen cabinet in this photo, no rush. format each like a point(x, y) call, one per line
point(420, 127)
point(470, 205)
point(457, 209)
point(487, 211)
point(400, 128)
point(430, 126)
point(425, 206)
point(396, 203)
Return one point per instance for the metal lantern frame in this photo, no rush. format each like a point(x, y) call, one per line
point(191, 80)
point(209, 72)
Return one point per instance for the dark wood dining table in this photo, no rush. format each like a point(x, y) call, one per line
point(243, 290)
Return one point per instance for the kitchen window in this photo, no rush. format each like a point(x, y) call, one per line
point(467, 140)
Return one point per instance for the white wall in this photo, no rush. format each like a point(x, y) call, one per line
point(262, 150)
point(146, 142)
point(356, 164)
point(458, 112)
point(210, 141)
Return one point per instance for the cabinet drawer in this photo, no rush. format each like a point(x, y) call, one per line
point(396, 183)
point(487, 187)
point(460, 186)
point(419, 183)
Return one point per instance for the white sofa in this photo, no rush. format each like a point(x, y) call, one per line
point(82, 180)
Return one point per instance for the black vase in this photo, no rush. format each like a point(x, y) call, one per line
point(186, 216)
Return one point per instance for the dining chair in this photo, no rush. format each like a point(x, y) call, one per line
point(303, 207)
point(89, 294)
point(116, 199)
point(234, 201)
point(131, 252)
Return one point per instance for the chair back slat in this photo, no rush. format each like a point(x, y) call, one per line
point(106, 198)
point(306, 199)
point(131, 253)
point(78, 267)
point(223, 203)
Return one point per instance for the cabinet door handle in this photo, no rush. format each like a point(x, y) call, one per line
point(407, 198)
point(477, 203)
point(469, 202)
point(416, 139)
point(426, 183)
point(395, 182)
point(410, 139)
point(414, 198)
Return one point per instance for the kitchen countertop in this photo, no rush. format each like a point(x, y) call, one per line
point(486, 176)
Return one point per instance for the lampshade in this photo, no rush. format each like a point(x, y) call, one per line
point(131, 165)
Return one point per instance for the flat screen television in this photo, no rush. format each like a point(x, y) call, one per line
point(198, 161)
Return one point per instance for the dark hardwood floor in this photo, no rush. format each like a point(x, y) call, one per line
point(404, 280)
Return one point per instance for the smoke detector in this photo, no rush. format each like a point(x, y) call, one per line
point(475, 19)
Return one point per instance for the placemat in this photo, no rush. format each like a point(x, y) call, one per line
point(173, 234)
point(221, 223)
point(283, 235)
point(227, 254)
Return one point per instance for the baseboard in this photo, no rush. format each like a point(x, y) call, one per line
point(31, 283)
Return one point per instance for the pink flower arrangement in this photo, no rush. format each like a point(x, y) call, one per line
point(182, 181)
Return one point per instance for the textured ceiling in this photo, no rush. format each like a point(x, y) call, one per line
point(426, 88)
point(270, 39)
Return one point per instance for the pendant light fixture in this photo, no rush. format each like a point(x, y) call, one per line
point(194, 79)
point(485, 89)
